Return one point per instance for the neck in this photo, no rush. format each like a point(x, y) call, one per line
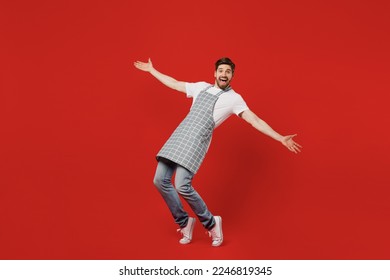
point(228, 87)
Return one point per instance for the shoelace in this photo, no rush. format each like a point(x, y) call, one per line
point(182, 232)
point(213, 234)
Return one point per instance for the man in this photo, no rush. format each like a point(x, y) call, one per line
point(186, 148)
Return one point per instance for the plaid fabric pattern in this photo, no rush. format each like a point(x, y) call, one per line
point(189, 143)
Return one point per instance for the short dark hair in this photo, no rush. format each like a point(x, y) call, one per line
point(225, 60)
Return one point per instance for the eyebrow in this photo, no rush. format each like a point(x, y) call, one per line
point(220, 69)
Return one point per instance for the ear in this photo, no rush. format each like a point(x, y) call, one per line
point(215, 74)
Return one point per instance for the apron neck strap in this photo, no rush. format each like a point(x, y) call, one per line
point(224, 90)
point(220, 92)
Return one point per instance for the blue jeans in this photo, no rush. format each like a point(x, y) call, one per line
point(183, 179)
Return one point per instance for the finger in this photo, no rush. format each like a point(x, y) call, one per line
point(294, 148)
point(297, 145)
point(291, 148)
point(139, 65)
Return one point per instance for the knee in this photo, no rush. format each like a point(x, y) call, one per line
point(183, 181)
point(183, 187)
point(157, 181)
point(161, 182)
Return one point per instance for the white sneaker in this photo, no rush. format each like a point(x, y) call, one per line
point(187, 231)
point(216, 232)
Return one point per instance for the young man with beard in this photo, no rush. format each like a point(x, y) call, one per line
point(186, 148)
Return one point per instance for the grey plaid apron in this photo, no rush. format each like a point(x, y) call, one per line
point(189, 143)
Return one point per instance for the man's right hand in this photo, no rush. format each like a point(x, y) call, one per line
point(166, 80)
point(144, 66)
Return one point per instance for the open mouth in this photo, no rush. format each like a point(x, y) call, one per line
point(224, 80)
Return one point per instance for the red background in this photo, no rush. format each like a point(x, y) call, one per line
point(80, 127)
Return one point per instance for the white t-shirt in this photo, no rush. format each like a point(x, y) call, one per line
point(227, 104)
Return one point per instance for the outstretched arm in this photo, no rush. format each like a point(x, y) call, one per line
point(263, 127)
point(166, 80)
